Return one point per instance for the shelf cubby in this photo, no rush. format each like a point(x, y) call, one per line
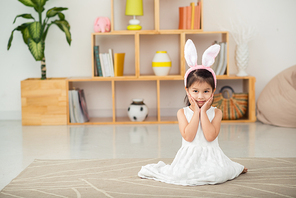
point(241, 85)
point(126, 91)
point(205, 39)
point(171, 21)
point(118, 43)
point(151, 43)
point(119, 21)
point(98, 95)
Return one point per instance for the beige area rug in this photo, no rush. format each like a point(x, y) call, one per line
point(267, 177)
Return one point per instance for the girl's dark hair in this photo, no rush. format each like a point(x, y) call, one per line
point(199, 75)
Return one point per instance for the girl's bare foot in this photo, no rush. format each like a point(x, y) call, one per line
point(244, 171)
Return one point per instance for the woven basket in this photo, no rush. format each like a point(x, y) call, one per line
point(234, 107)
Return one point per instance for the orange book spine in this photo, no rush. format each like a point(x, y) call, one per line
point(197, 16)
point(188, 17)
point(182, 18)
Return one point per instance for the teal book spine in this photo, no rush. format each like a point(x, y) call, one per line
point(98, 61)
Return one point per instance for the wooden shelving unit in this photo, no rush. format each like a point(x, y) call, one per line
point(141, 71)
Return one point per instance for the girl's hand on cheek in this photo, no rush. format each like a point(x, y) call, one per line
point(208, 103)
point(193, 103)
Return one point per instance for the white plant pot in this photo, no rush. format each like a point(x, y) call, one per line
point(161, 63)
point(137, 111)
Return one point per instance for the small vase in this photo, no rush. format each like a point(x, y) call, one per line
point(137, 111)
point(242, 59)
point(161, 63)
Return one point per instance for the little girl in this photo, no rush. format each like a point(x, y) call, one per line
point(200, 160)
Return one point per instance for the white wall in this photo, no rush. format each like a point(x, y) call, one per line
point(272, 50)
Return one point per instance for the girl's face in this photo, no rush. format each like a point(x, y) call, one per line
point(201, 92)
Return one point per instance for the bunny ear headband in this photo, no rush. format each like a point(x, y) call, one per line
point(208, 58)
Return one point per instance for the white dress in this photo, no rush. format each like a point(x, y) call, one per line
point(196, 163)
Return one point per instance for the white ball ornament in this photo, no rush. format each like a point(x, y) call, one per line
point(137, 111)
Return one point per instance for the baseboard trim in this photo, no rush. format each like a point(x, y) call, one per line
point(10, 115)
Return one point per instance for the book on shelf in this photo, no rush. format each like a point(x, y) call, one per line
point(216, 63)
point(182, 18)
point(224, 64)
point(197, 13)
point(192, 15)
point(95, 69)
point(221, 58)
point(189, 16)
point(97, 61)
point(118, 64)
point(71, 107)
point(106, 64)
point(77, 106)
point(83, 105)
point(102, 65)
point(111, 62)
point(220, 63)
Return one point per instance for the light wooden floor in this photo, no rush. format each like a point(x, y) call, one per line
point(20, 145)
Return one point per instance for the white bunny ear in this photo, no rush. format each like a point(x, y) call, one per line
point(208, 57)
point(190, 53)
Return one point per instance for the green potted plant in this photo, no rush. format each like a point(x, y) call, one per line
point(34, 33)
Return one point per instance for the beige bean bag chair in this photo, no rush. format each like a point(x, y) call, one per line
point(276, 104)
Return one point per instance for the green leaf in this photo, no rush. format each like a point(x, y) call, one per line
point(61, 16)
point(36, 49)
point(35, 30)
point(54, 11)
point(65, 27)
point(10, 40)
point(39, 10)
point(39, 5)
point(26, 16)
point(29, 3)
point(19, 28)
point(26, 35)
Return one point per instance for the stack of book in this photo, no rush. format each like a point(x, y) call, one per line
point(220, 63)
point(189, 17)
point(108, 64)
point(77, 106)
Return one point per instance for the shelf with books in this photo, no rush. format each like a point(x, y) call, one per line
point(138, 80)
point(221, 65)
point(156, 15)
point(106, 47)
point(98, 97)
point(157, 96)
point(181, 15)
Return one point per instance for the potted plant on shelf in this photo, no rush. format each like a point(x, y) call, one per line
point(34, 33)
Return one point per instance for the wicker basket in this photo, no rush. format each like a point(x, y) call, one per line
point(234, 107)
